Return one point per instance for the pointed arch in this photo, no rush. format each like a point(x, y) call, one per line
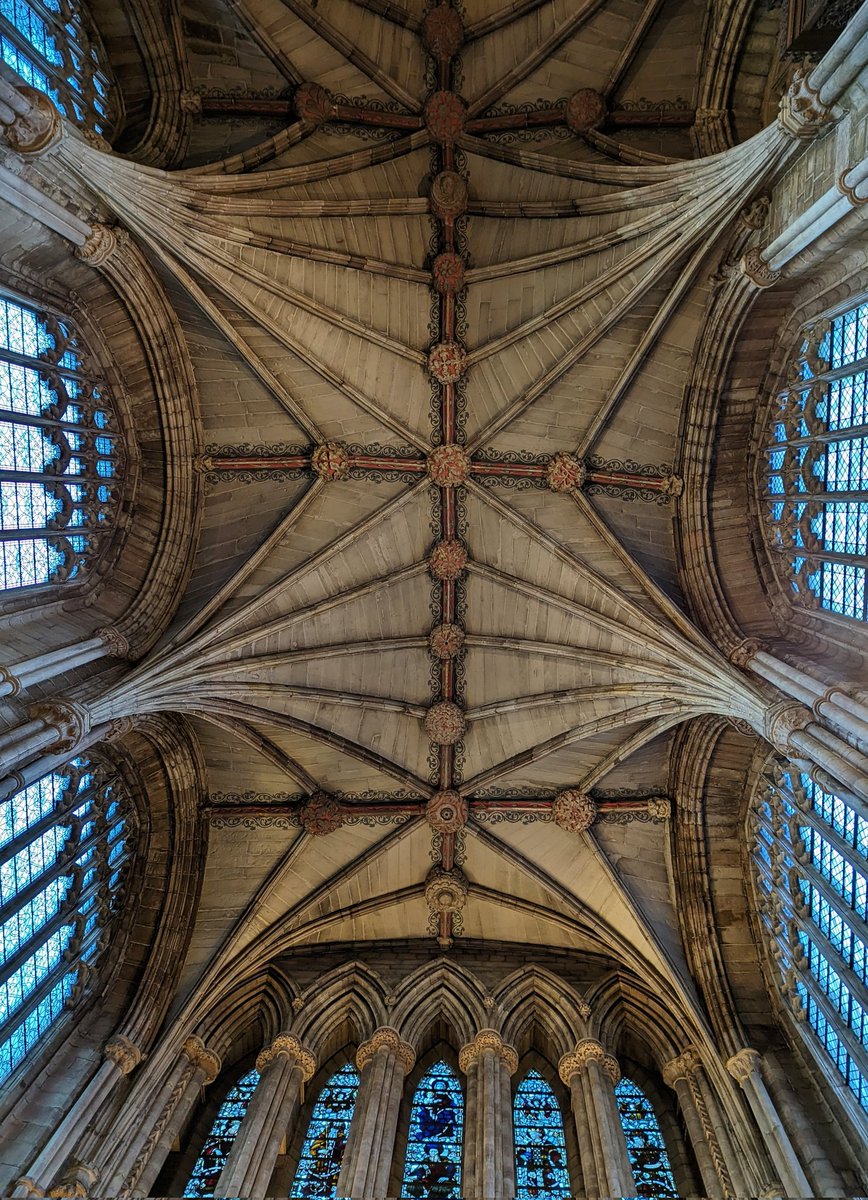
point(432, 1166)
point(351, 995)
point(326, 1138)
point(540, 1144)
point(224, 1130)
point(443, 989)
point(649, 1159)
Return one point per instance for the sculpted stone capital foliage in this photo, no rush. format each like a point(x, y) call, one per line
point(37, 130)
point(288, 1045)
point(125, 1054)
point(204, 1060)
point(681, 1067)
point(802, 113)
point(743, 1064)
point(488, 1041)
point(390, 1040)
point(782, 720)
point(575, 1061)
point(757, 270)
point(102, 243)
point(69, 719)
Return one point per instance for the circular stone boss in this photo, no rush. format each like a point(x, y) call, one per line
point(331, 461)
point(448, 559)
point(444, 723)
point(585, 110)
point(447, 273)
point(446, 811)
point(443, 32)
point(448, 196)
point(446, 641)
point(448, 465)
point(445, 114)
point(446, 362)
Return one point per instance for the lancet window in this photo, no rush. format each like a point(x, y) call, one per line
point(221, 1137)
point(645, 1146)
point(816, 503)
point(64, 845)
point(433, 1164)
point(540, 1147)
point(52, 45)
point(60, 456)
point(326, 1138)
point(810, 856)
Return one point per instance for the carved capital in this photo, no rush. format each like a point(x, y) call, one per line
point(681, 1067)
point(125, 1054)
point(743, 654)
point(802, 113)
point(287, 1045)
point(575, 1061)
point(610, 1066)
point(743, 1064)
point(757, 270)
point(38, 129)
point(118, 728)
point(115, 642)
point(782, 720)
point(25, 1184)
point(102, 243)
point(70, 721)
point(390, 1040)
point(487, 1041)
point(204, 1060)
point(755, 215)
point(77, 1180)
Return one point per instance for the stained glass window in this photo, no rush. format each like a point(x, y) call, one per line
point(646, 1149)
point(54, 49)
point(219, 1141)
point(817, 499)
point(64, 845)
point(433, 1164)
point(59, 452)
point(540, 1149)
point(810, 857)
point(326, 1139)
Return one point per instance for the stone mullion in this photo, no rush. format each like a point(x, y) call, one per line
point(384, 1061)
point(284, 1067)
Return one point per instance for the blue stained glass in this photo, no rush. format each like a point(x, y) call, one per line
point(220, 1139)
point(645, 1146)
point(326, 1138)
point(540, 1148)
point(433, 1164)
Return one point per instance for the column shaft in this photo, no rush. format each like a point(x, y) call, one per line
point(489, 1159)
point(698, 1141)
point(383, 1061)
point(587, 1157)
point(745, 1067)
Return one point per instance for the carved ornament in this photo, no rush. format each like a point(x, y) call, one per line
point(659, 808)
point(782, 720)
point(190, 103)
point(100, 245)
point(442, 32)
point(447, 273)
point(445, 723)
point(446, 811)
point(446, 641)
point(575, 1061)
point(565, 473)
point(77, 1181)
point(446, 891)
point(448, 465)
point(123, 1053)
point(448, 559)
point(446, 362)
point(487, 1041)
point(321, 814)
point(118, 728)
point(743, 1064)
point(287, 1044)
point(681, 1067)
point(313, 103)
point(574, 810)
point(71, 721)
point(755, 215)
point(610, 1066)
point(390, 1040)
point(39, 129)
point(586, 110)
point(445, 114)
point(204, 1060)
point(331, 461)
point(744, 653)
point(757, 270)
point(802, 113)
point(448, 196)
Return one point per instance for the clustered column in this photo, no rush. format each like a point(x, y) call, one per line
point(489, 1152)
point(745, 1066)
point(591, 1074)
point(685, 1076)
point(383, 1062)
point(283, 1067)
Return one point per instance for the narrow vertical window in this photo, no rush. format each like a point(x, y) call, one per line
point(53, 47)
point(326, 1139)
point(645, 1146)
point(817, 483)
point(540, 1148)
point(219, 1141)
point(59, 451)
point(64, 845)
point(810, 858)
point(433, 1163)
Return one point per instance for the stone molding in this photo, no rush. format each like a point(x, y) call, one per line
point(69, 719)
point(13, 681)
point(124, 1053)
point(743, 1064)
point(575, 1061)
point(204, 1060)
point(682, 1067)
point(487, 1040)
point(386, 1038)
point(102, 243)
point(287, 1044)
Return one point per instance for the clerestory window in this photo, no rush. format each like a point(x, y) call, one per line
point(60, 454)
point(53, 46)
point(810, 858)
point(218, 1143)
point(326, 1138)
point(646, 1149)
point(816, 504)
point(65, 843)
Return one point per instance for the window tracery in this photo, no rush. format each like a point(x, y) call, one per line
point(221, 1137)
point(326, 1138)
point(433, 1164)
point(64, 845)
point(810, 858)
point(540, 1147)
point(645, 1146)
point(53, 47)
point(60, 456)
point(817, 484)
